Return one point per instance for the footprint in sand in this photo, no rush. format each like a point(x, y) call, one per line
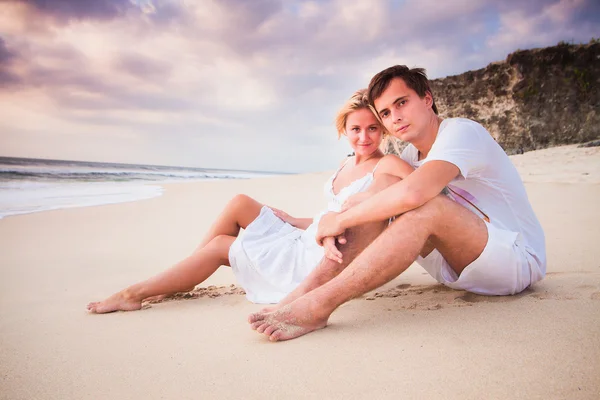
point(557, 286)
point(210, 291)
point(422, 297)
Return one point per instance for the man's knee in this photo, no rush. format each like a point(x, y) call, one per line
point(431, 208)
point(426, 216)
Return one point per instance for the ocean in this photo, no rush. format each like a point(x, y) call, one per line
point(30, 185)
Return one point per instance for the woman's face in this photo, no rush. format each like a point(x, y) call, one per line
point(364, 132)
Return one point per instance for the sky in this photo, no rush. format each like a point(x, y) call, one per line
point(236, 84)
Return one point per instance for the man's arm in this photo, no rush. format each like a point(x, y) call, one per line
point(413, 191)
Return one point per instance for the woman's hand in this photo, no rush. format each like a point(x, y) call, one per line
point(329, 226)
point(355, 199)
point(331, 250)
point(285, 217)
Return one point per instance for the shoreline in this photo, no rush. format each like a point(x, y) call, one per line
point(535, 163)
point(76, 194)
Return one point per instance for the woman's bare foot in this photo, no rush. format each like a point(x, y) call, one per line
point(298, 318)
point(117, 302)
point(160, 297)
point(157, 298)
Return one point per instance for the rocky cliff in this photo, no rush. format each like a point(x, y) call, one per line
point(534, 99)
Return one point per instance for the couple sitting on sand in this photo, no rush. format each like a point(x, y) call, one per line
point(479, 235)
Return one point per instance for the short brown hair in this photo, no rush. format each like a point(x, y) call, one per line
point(415, 78)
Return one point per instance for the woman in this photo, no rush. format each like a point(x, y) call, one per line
point(276, 251)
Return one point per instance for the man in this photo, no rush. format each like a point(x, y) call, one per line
point(482, 237)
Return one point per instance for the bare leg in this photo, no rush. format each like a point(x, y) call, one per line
point(458, 234)
point(212, 253)
point(188, 272)
point(238, 213)
point(358, 238)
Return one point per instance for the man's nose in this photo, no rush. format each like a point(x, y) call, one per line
point(396, 115)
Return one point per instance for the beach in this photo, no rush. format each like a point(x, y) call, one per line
point(410, 339)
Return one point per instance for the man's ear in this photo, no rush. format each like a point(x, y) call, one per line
point(429, 99)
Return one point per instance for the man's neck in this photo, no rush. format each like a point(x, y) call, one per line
point(426, 140)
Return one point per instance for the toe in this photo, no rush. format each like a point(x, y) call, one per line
point(257, 324)
point(270, 329)
point(262, 327)
point(256, 317)
point(276, 336)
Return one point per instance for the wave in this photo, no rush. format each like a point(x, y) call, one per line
point(19, 169)
point(97, 176)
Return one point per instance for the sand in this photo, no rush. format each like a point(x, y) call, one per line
point(411, 339)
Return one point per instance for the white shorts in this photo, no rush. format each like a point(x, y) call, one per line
point(504, 267)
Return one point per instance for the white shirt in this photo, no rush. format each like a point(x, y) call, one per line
point(488, 183)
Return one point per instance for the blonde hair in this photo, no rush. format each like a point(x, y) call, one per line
point(359, 101)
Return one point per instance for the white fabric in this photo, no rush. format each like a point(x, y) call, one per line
point(271, 257)
point(490, 186)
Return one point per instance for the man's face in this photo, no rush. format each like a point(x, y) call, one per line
point(403, 113)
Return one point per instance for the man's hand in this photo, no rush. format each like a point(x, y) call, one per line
point(328, 227)
point(355, 199)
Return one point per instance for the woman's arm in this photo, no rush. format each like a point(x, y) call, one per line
point(391, 169)
point(393, 165)
point(300, 223)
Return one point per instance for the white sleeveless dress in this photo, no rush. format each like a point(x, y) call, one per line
point(271, 257)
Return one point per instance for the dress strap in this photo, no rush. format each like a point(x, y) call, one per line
point(342, 166)
point(376, 165)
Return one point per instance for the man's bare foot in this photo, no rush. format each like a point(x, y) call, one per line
point(266, 310)
point(291, 297)
point(293, 320)
point(117, 302)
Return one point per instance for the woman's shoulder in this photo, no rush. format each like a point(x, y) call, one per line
point(344, 161)
point(393, 165)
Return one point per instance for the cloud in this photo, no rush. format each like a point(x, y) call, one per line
point(67, 10)
point(552, 21)
point(252, 77)
point(5, 54)
point(7, 77)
